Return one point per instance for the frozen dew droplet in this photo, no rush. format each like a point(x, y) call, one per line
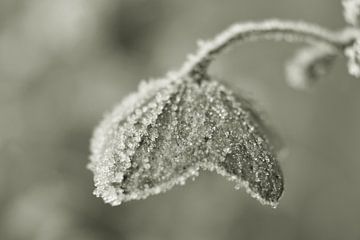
point(172, 128)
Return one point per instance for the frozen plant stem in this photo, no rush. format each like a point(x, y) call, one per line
point(277, 30)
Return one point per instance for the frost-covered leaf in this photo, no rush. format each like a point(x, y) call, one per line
point(169, 130)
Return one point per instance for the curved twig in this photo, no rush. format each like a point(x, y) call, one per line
point(289, 31)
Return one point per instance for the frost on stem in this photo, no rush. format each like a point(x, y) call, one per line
point(270, 30)
point(166, 132)
point(314, 62)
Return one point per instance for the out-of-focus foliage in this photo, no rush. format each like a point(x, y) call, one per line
point(351, 11)
point(64, 63)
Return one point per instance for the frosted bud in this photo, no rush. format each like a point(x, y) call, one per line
point(172, 128)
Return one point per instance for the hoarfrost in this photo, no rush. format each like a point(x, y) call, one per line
point(169, 130)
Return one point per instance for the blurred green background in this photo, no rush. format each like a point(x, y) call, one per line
point(64, 63)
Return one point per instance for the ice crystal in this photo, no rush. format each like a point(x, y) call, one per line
point(169, 130)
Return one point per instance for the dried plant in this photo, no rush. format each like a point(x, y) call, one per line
point(175, 126)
